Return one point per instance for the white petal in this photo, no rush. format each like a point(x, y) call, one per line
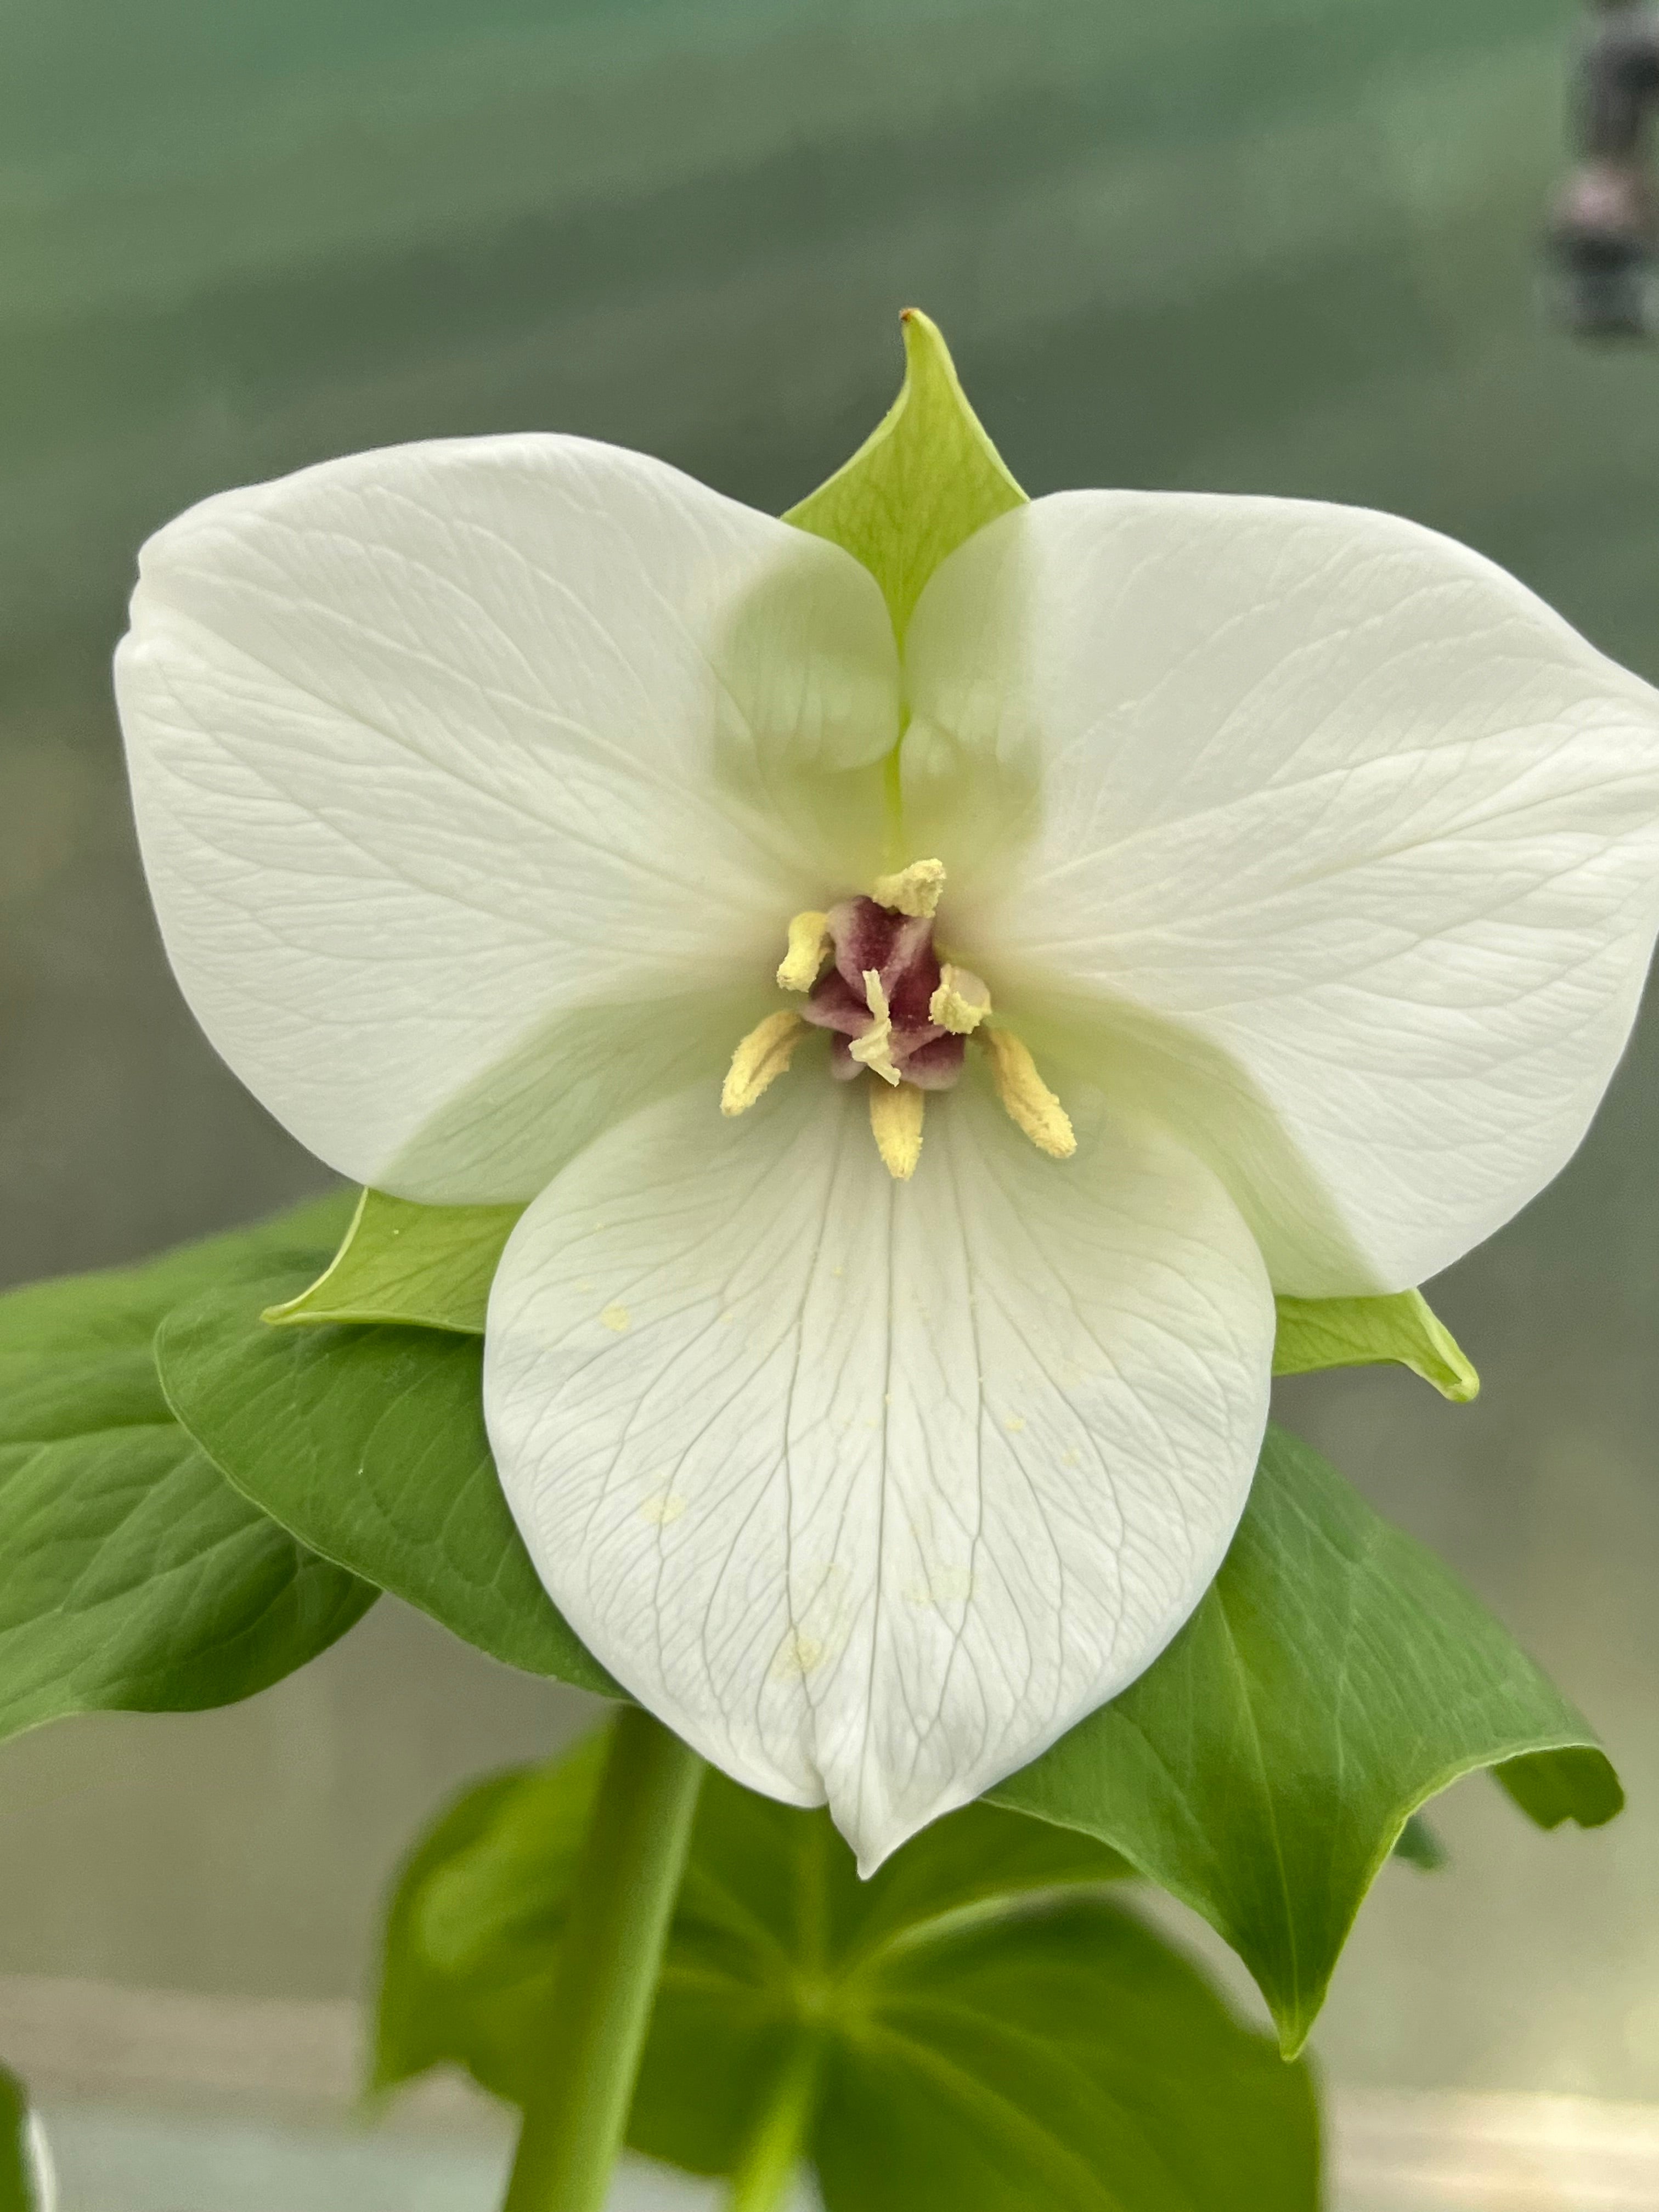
point(1336, 846)
point(437, 750)
point(870, 1489)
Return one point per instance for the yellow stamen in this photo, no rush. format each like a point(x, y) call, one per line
point(809, 948)
point(915, 890)
point(1031, 1106)
point(895, 1124)
point(759, 1059)
point(874, 1048)
point(961, 1002)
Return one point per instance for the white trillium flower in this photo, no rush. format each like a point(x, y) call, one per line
point(924, 1061)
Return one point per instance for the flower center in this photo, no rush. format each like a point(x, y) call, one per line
point(896, 1010)
point(877, 997)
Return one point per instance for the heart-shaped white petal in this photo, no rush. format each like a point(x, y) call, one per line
point(476, 780)
point(870, 1489)
point(1310, 831)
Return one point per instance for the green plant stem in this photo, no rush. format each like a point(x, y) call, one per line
point(762, 2182)
point(621, 1904)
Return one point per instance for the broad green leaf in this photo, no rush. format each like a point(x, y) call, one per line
point(369, 1445)
point(428, 1266)
point(1401, 1331)
point(979, 2027)
point(134, 1578)
point(1334, 1677)
point(482, 1901)
point(924, 479)
point(25, 2179)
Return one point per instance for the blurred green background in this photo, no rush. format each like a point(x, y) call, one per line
point(1283, 246)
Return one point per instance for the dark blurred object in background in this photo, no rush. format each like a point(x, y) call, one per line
point(1606, 232)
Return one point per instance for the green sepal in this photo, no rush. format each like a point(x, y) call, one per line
point(1334, 1677)
point(368, 1444)
point(979, 2025)
point(924, 480)
point(136, 1578)
point(429, 1266)
point(1402, 1331)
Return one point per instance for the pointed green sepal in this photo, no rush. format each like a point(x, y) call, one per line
point(1401, 1331)
point(427, 1267)
point(925, 478)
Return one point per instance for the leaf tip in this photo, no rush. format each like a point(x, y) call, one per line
point(1293, 2029)
point(1575, 1781)
point(1417, 1844)
point(1447, 1365)
point(928, 366)
point(1461, 1384)
point(922, 334)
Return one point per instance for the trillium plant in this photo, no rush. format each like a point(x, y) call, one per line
point(864, 1041)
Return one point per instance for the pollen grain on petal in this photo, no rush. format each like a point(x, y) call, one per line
point(915, 890)
point(961, 1002)
point(662, 1508)
point(617, 1320)
point(759, 1059)
point(874, 1048)
point(810, 946)
point(797, 1656)
point(895, 1119)
point(1029, 1103)
point(941, 1585)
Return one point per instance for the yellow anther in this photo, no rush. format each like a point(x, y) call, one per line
point(809, 948)
point(915, 890)
point(874, 1049)
point(1031, 1106)
point(895, 1124)
point(961, 1002)
point(759, 1059)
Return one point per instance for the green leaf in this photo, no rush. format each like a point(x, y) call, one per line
point(428, 1266)
point(1568, 1784)
point(136, 1578)
point(369, 1445)
point(1333, 1679)
point(1401, 1331)
point(980, 2026)
point(24, 2186)
point(1419, 1845)
point(924, 480)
